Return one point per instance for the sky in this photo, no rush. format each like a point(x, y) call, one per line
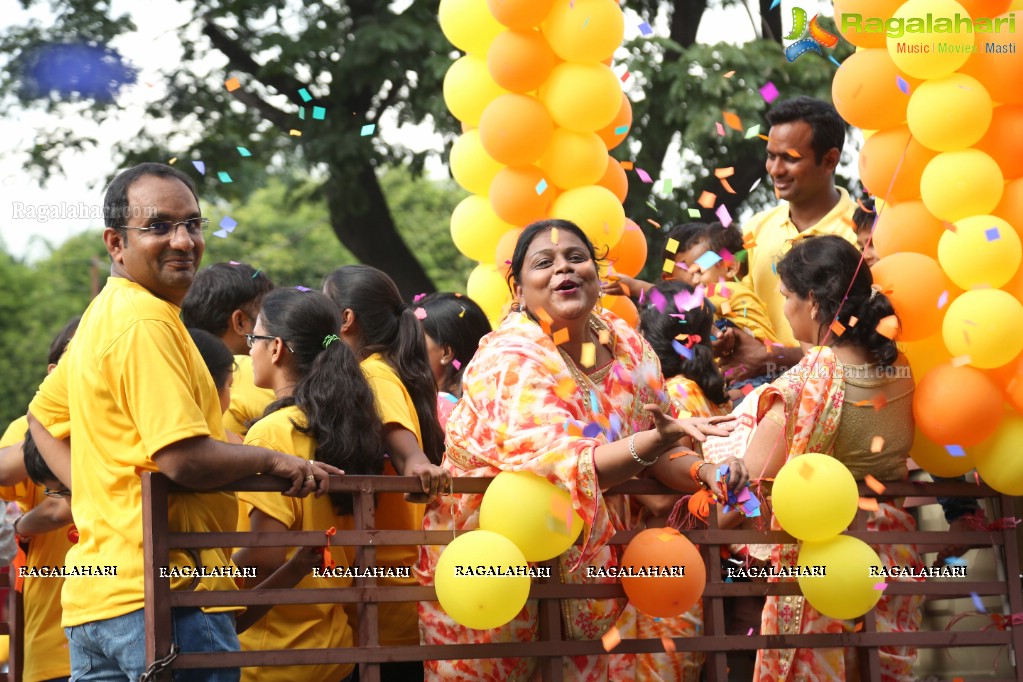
point(32, 215)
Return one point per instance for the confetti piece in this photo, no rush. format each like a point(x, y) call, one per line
point(977, 602)
point(955, 561)
point(626, 165)
point(806, 471)
point(456, 364)
point(724, 217)
point(955, 450)
point(874, 484)
point(303, 289)
point(774, 4)
point(200, 166)
point(565, 388)
point(750, 633)
point(793, 153)
point(588, 355)
point(707, 200)
point(295, 133)
point(604, 338)
point(694, 212)
point(903, 85)
point(669, 644)
point(301, 113)
point(853, 320)
point(729, 74)
point(879, 402)
point(367, 130)
point(669, 266)
point(834, 61)
point(611, 639)
point(220, 233)
point(876, 444)
point(171, 162)
point(868, 504)
point(993, 234)
point(625, 76)
point(720, 128)
point(228, 223)
point(243, 151)
point(724, 172)
point(838, 328)
point(682, 350)
point(541, 187)
point(560, 337)
point(754, 132)
point(644, 29)
point(554, 235)
point(769, 91)
point(666, 186)
point(942, 300)
point(881, 586)
point(654, 223)
point(960, 360)
point(732, 120)
point(232, 84)
point(747, 389)
point(672, 245)
point(708, 260)
point(224, 177)
point(319, 113)
point(643, 175)
point(888, 327)
point(304, 94)
point(621, 130)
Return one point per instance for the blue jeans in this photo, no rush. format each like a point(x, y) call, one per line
point(115, 649)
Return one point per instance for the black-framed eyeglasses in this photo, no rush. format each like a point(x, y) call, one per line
point(252, 338)
point(162, 228)
point(57, 493)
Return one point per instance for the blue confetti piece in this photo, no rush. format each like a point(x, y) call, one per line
point(541, 186)
point(644, 29)
point(200, 166)
point(301, 113)
point(955, 450)
point(243, 151)
point(621, 130)
point(302, 288)
point(224, 177)
point(682, 350)
point(367, 129)
point(708, 260)
point(955, 561)
point(228, 223)
point(834, 61)
point(942, 300)
point(774, 4)
point(593, 402)
point(592, 430)
point(616, 427)
point(304, 94)
point(977, 602)
point(220, 233)
point(319, 113)
point(993, 234)
point(903, 85)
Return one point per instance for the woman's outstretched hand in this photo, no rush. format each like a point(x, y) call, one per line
point(697, 428)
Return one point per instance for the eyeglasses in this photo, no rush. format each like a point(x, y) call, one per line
point(57, 493)
point(251, 338)
point(162, 228)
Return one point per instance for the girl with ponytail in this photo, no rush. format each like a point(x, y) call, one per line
point(319, 413)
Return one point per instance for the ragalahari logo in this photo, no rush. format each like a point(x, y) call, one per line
point(809, 36)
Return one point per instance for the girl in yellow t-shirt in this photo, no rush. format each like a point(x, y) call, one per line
point(319, 414)
point(386, 337)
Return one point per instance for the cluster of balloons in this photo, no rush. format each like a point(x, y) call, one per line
point(823, 484)
point(944, 151)
point(540, 108)
point(523, 518)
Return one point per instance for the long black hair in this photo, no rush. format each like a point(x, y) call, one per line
point(215, 353)
point(660, 328)
point(455, 321)
point(331, 390)
point(823, 267)
point(389, 327)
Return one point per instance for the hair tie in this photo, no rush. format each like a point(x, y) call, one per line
point(329, 339)
point(874, 291)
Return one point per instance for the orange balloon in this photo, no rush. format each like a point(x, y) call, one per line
point(907, 226)
point(623, 307)
point(957, 405)
point(1010, 208)
point(615, 179)
point(520, 61)
point(615, 132)
point(659, 596)
point(936, 460)
point(520, 14)
point(628, 256)
point(516, 197)
point(926, 354)
point(894, 154)
point(882, 9)
point(574, 159)
point(516, 129)
point(914, 283)
point(985, 8)
point(506, 249)
point(866, 90)
point(1004, 140)
point(999, 72)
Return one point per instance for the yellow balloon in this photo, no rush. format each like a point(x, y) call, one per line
point(955, 185)
point(815, 497)
point(469, 88)
point(481, 602)
point(532, 512)
point(584, 31)
point(998, 459)
point(982, 251)
point(949, 113)
point(936, 460)
point(476, 229)
point(471, 166)
point(468, 24)
point(925, 354)
point(488, 287)
point(984, 325)
point(596, 210)
point(923, 53)
point(574, 159)
point(583, 97)
point(847, 589)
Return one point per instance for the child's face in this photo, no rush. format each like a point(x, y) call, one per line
point(869, 254)
point(720, 271)
point(685, 270)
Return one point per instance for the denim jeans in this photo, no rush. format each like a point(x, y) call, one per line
point(114, 649)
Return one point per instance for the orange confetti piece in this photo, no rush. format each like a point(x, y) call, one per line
point(611, 639)
point(654, 223)
point(793, 153)
point(732, 120)
point(626, 291)
point(604, 337)
point(838, 328)
point(874, 484)
point(564, 390)
point(544, 315)
point(868, 504)
point(876, 444)
point(728, 188)
point(627, 165)
point(560, 337)
point(669, 644)
point(853, 320)
point(707, 200)
point(888, 327)
point(879, 402)
point(858, 627)
point(763, 137)
point(729, 74)
point(588, 355)
point(722, 173)
point(726, 308)
point(749, 240)
point(232, 84)
point(806, 471)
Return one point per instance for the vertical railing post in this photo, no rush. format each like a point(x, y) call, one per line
point(156, 553)
point(548, 613)
point(364, 513)
point(716, 663)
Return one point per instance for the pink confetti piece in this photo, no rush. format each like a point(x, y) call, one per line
point(942, 300)
point(881, 586)
point(456, 364)
point(769, 92)
point(720, 128)
point(420, 313)
point(750, 633)
point(724, 217)
point(643, 175)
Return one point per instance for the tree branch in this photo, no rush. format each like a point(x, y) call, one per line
point(241, 59)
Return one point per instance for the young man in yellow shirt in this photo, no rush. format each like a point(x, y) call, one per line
point(803, 149)
point(135, 395)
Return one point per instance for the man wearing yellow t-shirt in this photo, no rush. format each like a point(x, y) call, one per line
point(803, 149)
point(225, 300)
point(135, 395)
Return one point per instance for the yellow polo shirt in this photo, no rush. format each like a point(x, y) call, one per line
point(131, 383)
point(248, 401)
point(737, 303)
point(297, 626)
point(773, 234)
